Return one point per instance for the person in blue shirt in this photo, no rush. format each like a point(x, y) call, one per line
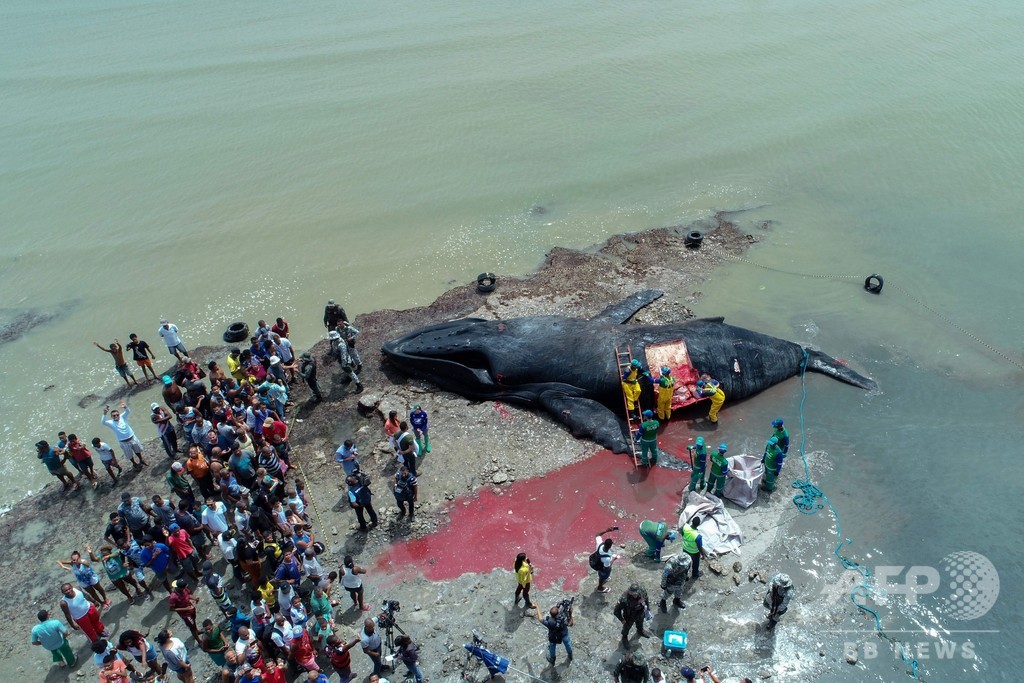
point(347, 456)
point(51, 635)
point(418, 420)
point(54, 461)
point(289, 571)
point(157, 557)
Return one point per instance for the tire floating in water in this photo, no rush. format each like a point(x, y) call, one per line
point(236, 332)
point(486, 282)
point(874, 283)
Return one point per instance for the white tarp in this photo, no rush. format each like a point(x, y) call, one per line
point(721, 534)
point(745, 473)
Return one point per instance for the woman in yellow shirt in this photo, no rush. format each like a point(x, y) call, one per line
point(524, 575)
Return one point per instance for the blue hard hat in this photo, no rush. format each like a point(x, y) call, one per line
point(777, 422)
point(648, 413)
point(774, 440)
point(635, 363)
point(722, 447)
point(700, 440)
point(666, 370)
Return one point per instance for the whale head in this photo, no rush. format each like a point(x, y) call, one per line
point(455, 355)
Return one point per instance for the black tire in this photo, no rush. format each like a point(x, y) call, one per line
point(486, 282)
point(693, 239)
point(236, 332)
point(874, 283)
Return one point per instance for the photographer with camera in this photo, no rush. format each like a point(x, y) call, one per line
point(558, 621)
point(407, 651)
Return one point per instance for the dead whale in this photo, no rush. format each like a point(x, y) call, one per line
point(567, 366)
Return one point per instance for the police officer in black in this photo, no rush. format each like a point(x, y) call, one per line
point(333, 314)
point(307, 369)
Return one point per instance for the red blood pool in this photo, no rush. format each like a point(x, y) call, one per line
point(553, 519)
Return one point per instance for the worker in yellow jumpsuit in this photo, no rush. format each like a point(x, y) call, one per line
point(710, 387)
point(666, 386)
point(631, 387)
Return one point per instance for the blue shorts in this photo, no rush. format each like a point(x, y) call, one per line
point(123, 371)
point(604, 573)
point(150, 654)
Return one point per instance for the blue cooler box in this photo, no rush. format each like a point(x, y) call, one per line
point(672, 642)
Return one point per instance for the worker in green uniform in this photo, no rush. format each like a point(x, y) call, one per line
point(649, 439)
point(719, 468)
point(780, 432)
point(656, 534)
point(773, 458)
point(699, 455)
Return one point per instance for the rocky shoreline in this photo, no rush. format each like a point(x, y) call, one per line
point(519, 445)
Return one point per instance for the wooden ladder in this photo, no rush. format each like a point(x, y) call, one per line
point(623, 361)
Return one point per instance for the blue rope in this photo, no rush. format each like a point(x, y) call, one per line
point(809, 500)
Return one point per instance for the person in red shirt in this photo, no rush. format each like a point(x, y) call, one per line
point(184, 603)
point(184, 552)
point(274, 671)
point(81, 458)
point(275, 433)
point(301, 650)
point(280, 328)
point(341, 660)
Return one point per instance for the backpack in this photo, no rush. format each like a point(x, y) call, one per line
point(595, 561)
point(363, 478)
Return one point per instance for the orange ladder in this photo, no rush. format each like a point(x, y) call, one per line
point(623, 361)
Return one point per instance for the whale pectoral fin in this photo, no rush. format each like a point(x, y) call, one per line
point(587, 418)
point(622, 311)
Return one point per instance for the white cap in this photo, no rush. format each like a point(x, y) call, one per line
point(164, 321)
point(274, 360)
point(154, 406)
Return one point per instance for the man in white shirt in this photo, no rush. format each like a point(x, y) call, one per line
point(118, 423)
point(215, 518)
point(169, 333)
point(281, 633)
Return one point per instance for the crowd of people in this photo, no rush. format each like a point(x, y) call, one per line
point(231, 526)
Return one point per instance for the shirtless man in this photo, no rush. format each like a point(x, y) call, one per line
point(117, 351)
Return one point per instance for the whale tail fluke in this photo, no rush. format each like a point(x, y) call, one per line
point(827, 365)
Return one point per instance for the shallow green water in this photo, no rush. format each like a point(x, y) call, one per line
point(214, 162)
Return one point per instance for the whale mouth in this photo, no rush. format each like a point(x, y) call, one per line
point(441, 353)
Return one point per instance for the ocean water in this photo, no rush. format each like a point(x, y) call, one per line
point(213, 162)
